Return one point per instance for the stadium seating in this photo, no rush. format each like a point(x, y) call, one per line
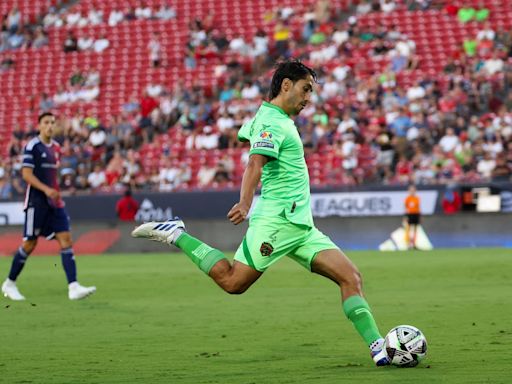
point(125, 69)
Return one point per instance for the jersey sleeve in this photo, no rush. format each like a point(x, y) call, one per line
point(267, 140)
point(28, 157)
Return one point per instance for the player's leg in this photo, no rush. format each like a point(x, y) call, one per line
point(9, 287)
point(319, 254)
point(407, 232)
point(34, 221)
point(75, 290)
point(414, 232)
point(233, 278)
point(335, 265)
point(266, 241)
point(58, 226)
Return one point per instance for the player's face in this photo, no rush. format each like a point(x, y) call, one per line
point(46, 127)
point(300, 95)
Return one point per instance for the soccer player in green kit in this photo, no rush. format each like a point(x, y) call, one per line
point(281, 223)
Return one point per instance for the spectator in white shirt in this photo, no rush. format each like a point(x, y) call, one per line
point(486, 165)
point(97, 178)
point(346, 123)
point(387, 5)
point(85, 43)
point(449, 141)
point(165, 12)
point(97, 137)
point(493, 65)
point(142, 11)
point(225, 122)
point(95, 17)
point(250, 91)
point(101, 44)
point(207, 139)
point(239, 45)
point(155, 50)
point(331, 88)
point(115, 17)
point(73, 18)
point(416, 92)
point(486, 33)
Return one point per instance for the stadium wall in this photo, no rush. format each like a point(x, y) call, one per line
point(378, 201)
point(352, 233)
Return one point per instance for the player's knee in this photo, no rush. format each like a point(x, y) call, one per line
point(354, 280)
point(235, 288)
point(28, 246)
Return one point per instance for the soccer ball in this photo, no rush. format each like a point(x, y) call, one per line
point(406, 346)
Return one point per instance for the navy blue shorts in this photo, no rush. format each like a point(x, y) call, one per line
point(43, 220)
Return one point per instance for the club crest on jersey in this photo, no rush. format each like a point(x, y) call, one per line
point(266, 249)
point(265, 135)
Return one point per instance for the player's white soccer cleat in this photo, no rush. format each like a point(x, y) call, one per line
point(165, 231)
point(10, 290)
point(77, 291)
point(378, 353)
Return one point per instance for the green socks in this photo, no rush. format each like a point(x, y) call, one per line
point(201, 254)
point(358, 312)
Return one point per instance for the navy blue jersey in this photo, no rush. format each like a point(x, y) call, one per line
point(44, 161)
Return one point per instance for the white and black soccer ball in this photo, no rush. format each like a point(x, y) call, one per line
point(406, 346)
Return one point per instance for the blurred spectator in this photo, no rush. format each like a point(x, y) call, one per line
point(155, 50)
point(486, 166)
point(465, 14)
point(40, 38)
point(6, 64)
point(127, 207)
point(451, 201)
point(502, 171)
point(70, 43)
point(115, 17)
point(6, 189)
point(205, 175)
point(207, 139)
point(96, 178)
point(143, 11)
point(101, 44)
point(165, 12)
point(13, 20)
point(486, 33)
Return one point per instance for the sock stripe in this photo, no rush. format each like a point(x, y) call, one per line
point(22, 252)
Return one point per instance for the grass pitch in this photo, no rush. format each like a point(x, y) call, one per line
point(157, 319)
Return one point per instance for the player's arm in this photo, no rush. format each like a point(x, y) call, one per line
point(28, 175)
point(250, 180)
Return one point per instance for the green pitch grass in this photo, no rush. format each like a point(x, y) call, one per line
point(157, 319)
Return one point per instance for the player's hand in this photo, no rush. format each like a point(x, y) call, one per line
point(52, 193)
point(238, 213)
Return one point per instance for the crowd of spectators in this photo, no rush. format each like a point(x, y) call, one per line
point(360, 127)
point(15, 34)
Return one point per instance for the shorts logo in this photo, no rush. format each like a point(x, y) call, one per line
point(266, 135)
point(266, 249)
point(262, 144)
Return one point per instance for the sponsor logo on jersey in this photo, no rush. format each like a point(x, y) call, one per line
point(265, 135)
point(266, 249)
point(263, 144)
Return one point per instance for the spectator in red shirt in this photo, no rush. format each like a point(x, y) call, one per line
point(147, 105)
point(127, 207)
point(451, 201)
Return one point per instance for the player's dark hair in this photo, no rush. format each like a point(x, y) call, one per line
point(292, 69)
point(43, 115)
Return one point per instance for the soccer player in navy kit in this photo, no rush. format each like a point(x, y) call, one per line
point(44, 210)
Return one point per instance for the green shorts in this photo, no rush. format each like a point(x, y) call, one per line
point(269, 239)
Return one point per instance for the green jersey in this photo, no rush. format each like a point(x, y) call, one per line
point(285, 179)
